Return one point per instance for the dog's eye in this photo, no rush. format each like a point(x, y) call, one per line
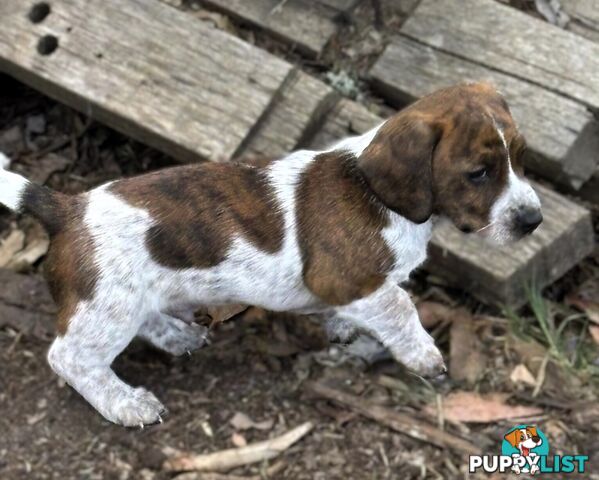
point(478, 176)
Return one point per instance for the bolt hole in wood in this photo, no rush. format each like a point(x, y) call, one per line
point(47, 45)
point(39, 12)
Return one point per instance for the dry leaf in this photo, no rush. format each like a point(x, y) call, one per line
point(222, 313)
point(238, 440)
point(30, 254)
point(471, 407)
point(467, 361)
point(11, 245)
point(586, 298)
point(594, 331)
point(433, 313)
point(521, 374)
point(241, 421)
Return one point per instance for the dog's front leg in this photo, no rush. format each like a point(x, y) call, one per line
point(391, 317)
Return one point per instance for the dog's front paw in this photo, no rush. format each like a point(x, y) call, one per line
point(424, 360)
point(138, 408)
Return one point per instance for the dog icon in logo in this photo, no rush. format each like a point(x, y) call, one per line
point(524, 438)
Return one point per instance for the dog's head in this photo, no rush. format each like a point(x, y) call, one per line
point(457, 153)
point(527, 438)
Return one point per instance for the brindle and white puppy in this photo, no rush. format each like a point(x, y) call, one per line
point(331, 232)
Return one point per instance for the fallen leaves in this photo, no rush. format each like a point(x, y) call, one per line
point(472, 407)
point(467, 361)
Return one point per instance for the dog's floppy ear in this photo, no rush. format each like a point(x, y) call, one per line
point(397, 165)
point(532, 431)
point(513, 438)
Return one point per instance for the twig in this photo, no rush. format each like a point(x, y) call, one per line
point(379, 21)
point(399, 422)
point(236, 457)
point(270, 472)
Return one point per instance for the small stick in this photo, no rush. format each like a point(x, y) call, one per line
point(397, 421)
point(236, 457)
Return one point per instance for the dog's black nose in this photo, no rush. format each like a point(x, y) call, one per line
point(528, 219)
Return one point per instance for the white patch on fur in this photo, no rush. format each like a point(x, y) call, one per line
point(12, 185)
point(517, 194)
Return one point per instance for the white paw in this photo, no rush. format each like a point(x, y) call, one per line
point(424, 360)
point(186, 339)
point(138, 408)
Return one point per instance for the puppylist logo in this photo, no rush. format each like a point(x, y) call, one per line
point(525, 449)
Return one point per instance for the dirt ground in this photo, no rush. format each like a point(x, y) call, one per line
point(259, 364)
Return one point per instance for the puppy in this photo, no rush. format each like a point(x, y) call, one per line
point(332, 232)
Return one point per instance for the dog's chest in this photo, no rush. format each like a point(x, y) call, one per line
point(408, 243)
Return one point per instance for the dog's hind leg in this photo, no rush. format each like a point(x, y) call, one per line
point(83, 355)
point(173, 335)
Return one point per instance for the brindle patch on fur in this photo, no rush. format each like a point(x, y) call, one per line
point(198, 210)
point(340, 222)
point(419, 161)
point(70, 268)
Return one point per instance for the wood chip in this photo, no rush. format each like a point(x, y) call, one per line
point(228, 459)
point(241, 421)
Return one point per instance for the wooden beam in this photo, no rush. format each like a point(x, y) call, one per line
point(562, 134)
point(299, 112)
point(495, 275)
point(308, 25)
point(146, 69)
point(584, 17)
point(508, 40)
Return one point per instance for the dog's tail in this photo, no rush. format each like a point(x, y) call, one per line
point(20, 195)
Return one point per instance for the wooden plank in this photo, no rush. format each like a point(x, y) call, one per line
point(495, 275)
point(306, 24)
point(146, 69)
point(298, 113)
point(561, 133)
point(510, 41)
point(584, 17)
point(590, 190)
point(346, 119)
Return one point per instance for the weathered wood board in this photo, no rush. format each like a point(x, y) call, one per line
point(512, 42)
point(496, 275)
point(146, 69)
point(584, 17)
point(299, 112)
point(562, 134)
point(306, 24)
